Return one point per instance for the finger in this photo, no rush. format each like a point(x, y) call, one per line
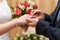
point(32, 19)
point(35, 11)
point(31, 12)
point(26, 27)
point(31, 24)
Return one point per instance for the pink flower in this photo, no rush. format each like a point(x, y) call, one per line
point(17, 5)
point(29, 11)
point(35, 6)
point(25, 4)
point(17, 11)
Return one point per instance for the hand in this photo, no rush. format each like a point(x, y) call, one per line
point(37, 14)
point(32, 22)
point(22, 21)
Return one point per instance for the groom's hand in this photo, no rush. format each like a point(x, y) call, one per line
point(32, 22)
point(37, 14)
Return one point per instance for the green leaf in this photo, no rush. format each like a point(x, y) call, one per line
point(12, 8)
point(17, 37)
point(25, 0)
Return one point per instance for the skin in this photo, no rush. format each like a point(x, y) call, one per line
point(12, 24)
point(31, 20)
point(36, 15)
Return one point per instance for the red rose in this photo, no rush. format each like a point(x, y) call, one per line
point(17, 11)
point(35, 6)
point(25, 4)
point(29, 11)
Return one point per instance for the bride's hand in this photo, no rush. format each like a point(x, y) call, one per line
point(22, 21)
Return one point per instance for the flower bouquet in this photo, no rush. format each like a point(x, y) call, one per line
point(27, 37)
point(23, 8)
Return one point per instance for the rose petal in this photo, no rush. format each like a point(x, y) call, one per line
point(17, 11)
point(29, 11)
point(25, 4)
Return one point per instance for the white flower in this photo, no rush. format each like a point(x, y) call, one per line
point(32, 30)
point(32, 3)
point(21, 38)
point(22, 7)
point(34, 37)
point(29, 1)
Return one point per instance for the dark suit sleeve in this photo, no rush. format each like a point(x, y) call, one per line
point(43, 28)
point(47, 17)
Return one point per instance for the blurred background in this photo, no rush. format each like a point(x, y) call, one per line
point(46, 6)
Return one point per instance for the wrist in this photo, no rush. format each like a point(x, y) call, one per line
point(37, 22)
point(15, 22)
